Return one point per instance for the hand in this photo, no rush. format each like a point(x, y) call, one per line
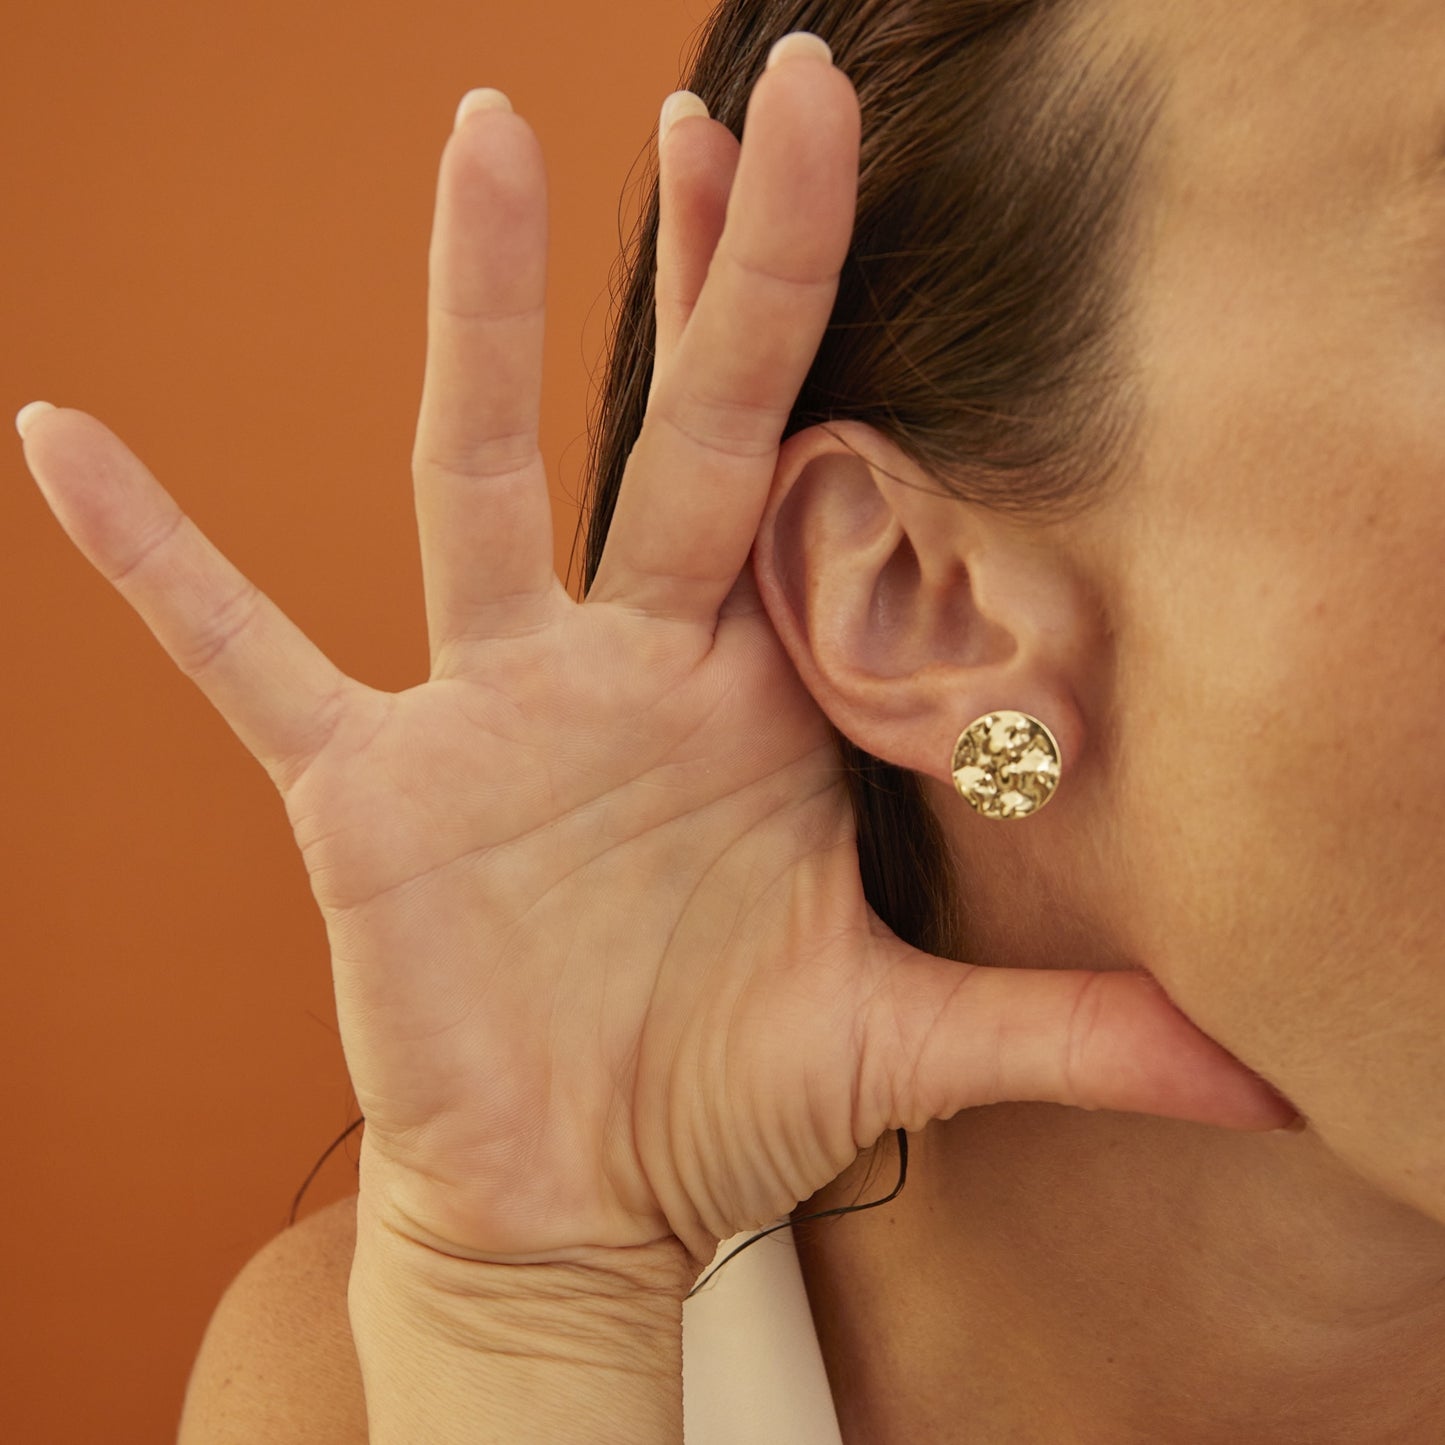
point(604, 971)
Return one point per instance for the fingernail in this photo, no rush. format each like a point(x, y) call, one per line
point(800, 45)
point(25, 417)
point(677, 105)
point(484, 98)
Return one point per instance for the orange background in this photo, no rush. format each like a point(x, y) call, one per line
point(214, 237)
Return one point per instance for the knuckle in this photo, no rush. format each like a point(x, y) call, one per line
point(149, 547)
point(462, 313)
point(727, 427)
point(225, 622)
point(495, 459)
point(758, 275)
point(1080, 1046)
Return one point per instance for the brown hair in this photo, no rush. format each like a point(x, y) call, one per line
point(979, 319)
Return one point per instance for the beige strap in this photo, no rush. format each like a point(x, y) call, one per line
point(752, 1372)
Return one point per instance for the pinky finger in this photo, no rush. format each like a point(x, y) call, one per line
point(275, 688)
point(696, 167)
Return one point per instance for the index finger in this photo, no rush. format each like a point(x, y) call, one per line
point(698, 478)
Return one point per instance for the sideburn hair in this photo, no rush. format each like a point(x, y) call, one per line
point(981, 317)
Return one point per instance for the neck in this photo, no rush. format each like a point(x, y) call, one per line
point(1097, 1279)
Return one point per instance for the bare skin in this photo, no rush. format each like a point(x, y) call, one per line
point(1246, 647)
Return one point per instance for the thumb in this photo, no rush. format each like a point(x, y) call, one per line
point(947, 1036)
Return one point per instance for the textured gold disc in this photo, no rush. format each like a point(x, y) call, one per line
point(1007, 765)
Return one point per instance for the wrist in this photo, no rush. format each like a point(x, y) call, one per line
point(641, 1287)
point(583, 1350)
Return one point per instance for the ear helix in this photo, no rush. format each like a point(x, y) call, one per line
point(1007, 765)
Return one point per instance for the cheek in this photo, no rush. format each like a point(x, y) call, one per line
point(1277, 727)
point(1281, 693)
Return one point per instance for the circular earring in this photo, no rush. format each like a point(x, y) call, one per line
point(1007, 765)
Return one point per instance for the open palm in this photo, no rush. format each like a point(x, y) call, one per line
point(603, 966)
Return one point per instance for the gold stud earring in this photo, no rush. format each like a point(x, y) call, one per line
point(1007, 765)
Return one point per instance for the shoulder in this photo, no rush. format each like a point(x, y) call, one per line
point(277, 1362)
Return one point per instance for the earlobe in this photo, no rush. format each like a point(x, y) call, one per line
point(908, 613)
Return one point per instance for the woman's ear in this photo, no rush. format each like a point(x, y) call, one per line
point(909, 613)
